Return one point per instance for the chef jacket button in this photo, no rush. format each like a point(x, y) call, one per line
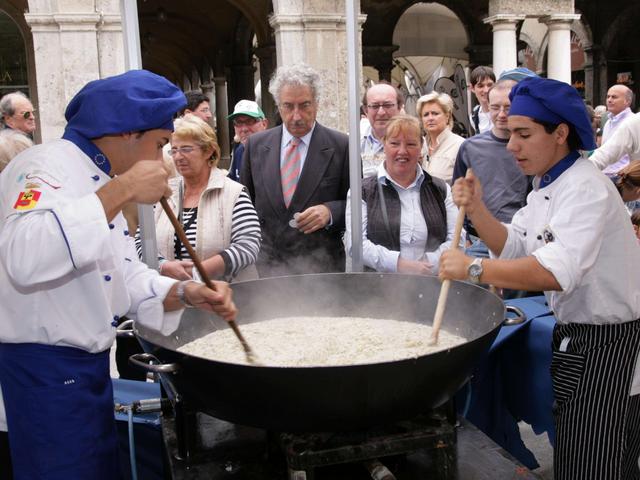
point(111, 226)
point(524, 234)
point(114, 323)
point(96, 177)
point(108, 277)
point(116, 317)
point(539, 237)
point(546, 197)
point(126, 233)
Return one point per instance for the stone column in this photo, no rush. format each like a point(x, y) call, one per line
point(505, 49)
point(559, 46)
point(208, 90)
point(381, 58)
point(314, 32)
point(267, 57)
point(222, 111)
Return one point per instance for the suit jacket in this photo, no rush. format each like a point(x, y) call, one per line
point(324, 180)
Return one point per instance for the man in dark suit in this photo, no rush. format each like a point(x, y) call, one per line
point(298, 176)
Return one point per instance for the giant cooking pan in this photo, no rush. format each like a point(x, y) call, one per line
point(329, 398)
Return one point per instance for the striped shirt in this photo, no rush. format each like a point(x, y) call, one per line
point(245, 236)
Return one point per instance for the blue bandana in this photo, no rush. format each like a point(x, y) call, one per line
point(554, 102)
point(517, 74)
point(132, 102)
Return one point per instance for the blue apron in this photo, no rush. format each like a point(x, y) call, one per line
point(59, 403)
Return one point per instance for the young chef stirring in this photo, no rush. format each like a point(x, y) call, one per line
point(69, 270)
point(574, 241)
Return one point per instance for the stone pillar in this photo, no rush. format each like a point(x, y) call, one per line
point(590, 81)
point(208, 90)
point(73, 44)
point(505, 49)
point(380, 57)
point(267, 57)
point(314, 32)
point(222, 111)
point(559, 46)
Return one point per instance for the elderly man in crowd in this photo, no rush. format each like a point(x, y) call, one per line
point(381, 102)
point(248, 118)
point(619, 98)
point(18, 113)
point(297, 175)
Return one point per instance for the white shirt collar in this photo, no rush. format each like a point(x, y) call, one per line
point(287, 136)
point(384, 177)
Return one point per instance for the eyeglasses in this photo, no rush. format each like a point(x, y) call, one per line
point(245, 122)
point(498, 108)
point(26, 115)
point(185, 150)
point(374, 107)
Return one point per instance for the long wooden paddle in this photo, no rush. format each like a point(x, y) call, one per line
point(248, 351)
point(444, 289)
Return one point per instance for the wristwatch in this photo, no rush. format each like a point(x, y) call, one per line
point(474, 270)
point(180, 293)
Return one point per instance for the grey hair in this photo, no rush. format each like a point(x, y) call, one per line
point(442, 99)
point(6, 104)
point(299, 74)
point(12, 142)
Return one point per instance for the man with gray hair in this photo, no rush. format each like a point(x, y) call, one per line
point(619, 98)
point(18, 113)
point(298, 176)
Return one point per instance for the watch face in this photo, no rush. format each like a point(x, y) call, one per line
point(475, 270)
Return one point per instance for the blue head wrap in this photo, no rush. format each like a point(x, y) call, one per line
point(553, 102)
point(517, 74)
point(131, 102)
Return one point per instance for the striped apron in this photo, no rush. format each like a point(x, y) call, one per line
point(59, 403)
point(597, 420)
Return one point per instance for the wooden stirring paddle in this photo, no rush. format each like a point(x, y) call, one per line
point(444, 289)
point(248, 351)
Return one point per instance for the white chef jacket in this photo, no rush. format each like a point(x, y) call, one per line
point(67, 274)
point(578, 229)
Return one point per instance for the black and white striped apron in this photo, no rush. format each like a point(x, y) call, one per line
point(597, 421)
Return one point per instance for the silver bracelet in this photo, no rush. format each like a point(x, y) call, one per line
point(180, 292)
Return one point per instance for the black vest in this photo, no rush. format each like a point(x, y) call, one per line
point(433, 193)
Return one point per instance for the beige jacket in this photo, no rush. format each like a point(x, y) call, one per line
point(215, 209)
point(441, 163)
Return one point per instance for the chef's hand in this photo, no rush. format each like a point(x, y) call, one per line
point(218, 301)
point(467, 192)
point(313, 218)
point(453, 265)
point(178, 269)
point(146, 181)
point(415, 267)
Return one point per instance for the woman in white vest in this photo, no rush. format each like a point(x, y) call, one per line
point(216, 213)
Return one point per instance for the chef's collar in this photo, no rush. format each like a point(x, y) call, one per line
point(89, 148)
point(558, 169)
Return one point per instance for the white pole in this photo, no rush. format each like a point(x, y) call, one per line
point(133, 61)
point(355, 180)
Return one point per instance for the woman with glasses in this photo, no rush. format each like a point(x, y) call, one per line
point(216, 213)
point(435, 111)
point(408, 216)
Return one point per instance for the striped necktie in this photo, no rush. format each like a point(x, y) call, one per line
point(290, 170)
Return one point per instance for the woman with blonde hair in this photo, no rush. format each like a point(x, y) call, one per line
point(12, 142)
point(435, 111)
point(408, 216)
point(215, 211)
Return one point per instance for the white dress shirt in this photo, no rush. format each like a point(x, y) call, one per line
point(610, 128)
point(625, 141)
point(413, 228)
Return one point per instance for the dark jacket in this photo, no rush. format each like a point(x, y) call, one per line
point(323, 180)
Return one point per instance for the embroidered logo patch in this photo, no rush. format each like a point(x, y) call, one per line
point(27, 200)
point(547, 235)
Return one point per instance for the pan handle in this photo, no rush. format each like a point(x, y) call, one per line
point(148, 362)
point(520, 317)
point(125, 329)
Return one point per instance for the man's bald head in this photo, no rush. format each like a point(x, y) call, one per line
point(619, 97)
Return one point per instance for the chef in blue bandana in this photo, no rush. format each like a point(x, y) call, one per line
point(573, 240)
point(69, 271)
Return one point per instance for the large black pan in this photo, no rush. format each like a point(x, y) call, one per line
point(330, 398)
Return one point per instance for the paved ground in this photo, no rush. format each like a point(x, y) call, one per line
point(541, 448)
